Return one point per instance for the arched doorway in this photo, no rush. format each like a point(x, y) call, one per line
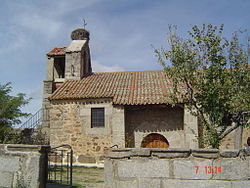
point(154, 140)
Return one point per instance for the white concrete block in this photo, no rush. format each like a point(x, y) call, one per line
point(143, 168)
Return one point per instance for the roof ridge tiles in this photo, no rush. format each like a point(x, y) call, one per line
point(126, 88)
point(128, 72)
point(60, 50)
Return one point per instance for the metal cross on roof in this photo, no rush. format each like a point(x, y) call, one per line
point(84, 23)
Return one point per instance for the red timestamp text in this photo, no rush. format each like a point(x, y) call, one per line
point(209, 169)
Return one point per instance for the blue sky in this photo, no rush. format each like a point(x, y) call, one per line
point(121, 33)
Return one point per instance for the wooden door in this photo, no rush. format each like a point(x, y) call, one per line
point(154, 140)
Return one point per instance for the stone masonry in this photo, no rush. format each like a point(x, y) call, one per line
point(176, 124)
point(229, 141)
point(71, 125)
point(22, 166)
point(190, 168)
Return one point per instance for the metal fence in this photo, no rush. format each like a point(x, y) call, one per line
point(59, 169)
point(36, 119)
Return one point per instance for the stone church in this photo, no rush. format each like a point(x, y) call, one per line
point(92, 111)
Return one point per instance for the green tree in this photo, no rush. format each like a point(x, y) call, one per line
point(10, 111)
point(211, 75)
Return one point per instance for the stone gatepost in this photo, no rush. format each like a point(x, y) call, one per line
point(23, 166)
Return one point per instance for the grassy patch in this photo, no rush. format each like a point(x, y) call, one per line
point(88, 176)
point(85, 176)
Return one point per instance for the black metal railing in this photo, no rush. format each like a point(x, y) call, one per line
point(59, 169)
point(36, 119)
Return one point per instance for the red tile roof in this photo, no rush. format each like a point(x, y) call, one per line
point(125, 88)
point(57, 51)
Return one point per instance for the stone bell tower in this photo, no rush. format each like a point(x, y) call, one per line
point(78, 63)
point(68, 62)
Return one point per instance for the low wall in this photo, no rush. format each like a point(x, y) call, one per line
point(22, 166)
point(162, 168)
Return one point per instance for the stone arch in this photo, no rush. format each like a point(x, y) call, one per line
point(154, 140)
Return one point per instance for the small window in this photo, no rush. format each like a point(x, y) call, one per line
point(97, 117)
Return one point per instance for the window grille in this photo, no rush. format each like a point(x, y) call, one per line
point(97, 117)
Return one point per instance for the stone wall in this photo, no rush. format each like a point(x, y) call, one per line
point(229, 141)
point(166, 121)
point(70, 123)
point(118, 126)
point(162, 168)
point(176, 124)
point(22, 166)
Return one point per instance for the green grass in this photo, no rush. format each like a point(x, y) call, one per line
point(85, 176)
point(78, 185)
point(88, 176)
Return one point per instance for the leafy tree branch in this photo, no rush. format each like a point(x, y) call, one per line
point(211, 75)
point(10, 111)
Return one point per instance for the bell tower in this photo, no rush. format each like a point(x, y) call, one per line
point(68, 62)
point(77, 55)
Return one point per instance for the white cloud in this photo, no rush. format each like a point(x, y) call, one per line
point(98, 67)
